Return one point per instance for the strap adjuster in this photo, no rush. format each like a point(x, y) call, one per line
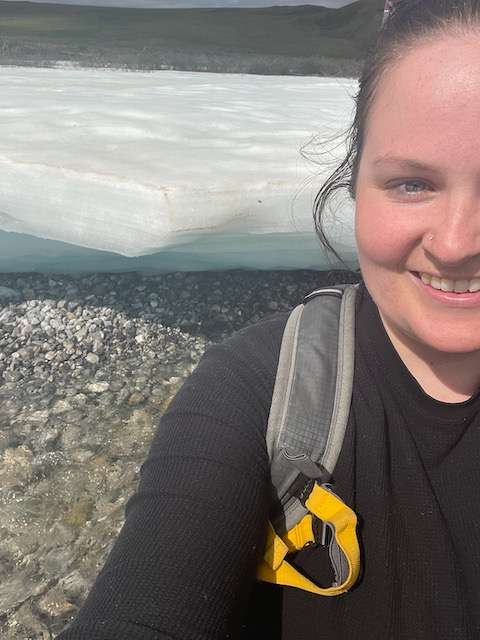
point(309, 473)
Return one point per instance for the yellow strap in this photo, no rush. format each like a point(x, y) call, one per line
point(343, 521)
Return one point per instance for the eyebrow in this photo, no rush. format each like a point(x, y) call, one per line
point(401, 162)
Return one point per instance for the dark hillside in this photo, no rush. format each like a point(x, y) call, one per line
point(306, 39)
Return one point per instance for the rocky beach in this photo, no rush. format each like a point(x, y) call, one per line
point(88, 363)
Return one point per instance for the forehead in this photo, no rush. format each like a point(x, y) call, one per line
point(430, 91)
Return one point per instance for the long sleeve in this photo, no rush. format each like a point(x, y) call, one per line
point(185, 560)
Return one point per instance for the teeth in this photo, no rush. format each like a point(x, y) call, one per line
point(446, 284)
point(461, 286)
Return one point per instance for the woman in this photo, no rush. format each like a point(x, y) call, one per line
point(185, 562)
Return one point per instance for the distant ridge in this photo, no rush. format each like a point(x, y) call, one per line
point(304, 39)
point(189, 4)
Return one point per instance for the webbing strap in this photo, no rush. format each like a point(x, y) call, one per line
point(312, 393)
point(343, 545)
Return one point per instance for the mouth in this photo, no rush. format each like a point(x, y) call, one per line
point(448, 285)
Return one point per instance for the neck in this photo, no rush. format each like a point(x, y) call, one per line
point(448, 377)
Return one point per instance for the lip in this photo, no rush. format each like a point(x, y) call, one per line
point(448, 298)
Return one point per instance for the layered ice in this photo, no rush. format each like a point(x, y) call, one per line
point(107, 170)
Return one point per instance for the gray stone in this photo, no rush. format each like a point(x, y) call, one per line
point(92, 358)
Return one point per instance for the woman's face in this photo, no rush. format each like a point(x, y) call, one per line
point(418, 199)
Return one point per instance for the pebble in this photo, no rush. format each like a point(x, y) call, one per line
point(87, 365)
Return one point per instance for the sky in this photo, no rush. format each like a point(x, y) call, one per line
point(191, 4)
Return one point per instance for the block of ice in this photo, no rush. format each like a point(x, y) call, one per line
point(163, 170)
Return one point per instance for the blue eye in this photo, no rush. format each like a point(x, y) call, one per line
point(414, 186)
point(409, 189)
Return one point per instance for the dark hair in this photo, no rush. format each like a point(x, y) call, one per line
point(409, 22)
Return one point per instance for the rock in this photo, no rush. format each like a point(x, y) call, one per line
point(97, 387)
point(18, 460)
point(12, 376)
point(79, 514)
point(136, 398)
point(92, 358)
point(61, 406)
point(26, 624)
point(55, 604)
point(8, 294)
point(57, 560)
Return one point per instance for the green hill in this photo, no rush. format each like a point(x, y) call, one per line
point(276, 40)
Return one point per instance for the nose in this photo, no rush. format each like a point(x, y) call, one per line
point(454, 236)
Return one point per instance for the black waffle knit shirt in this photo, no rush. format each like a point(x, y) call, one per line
point(183, 566)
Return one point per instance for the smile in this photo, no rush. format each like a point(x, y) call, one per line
point(451, 286)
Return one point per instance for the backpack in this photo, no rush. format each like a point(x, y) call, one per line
point(306, 427)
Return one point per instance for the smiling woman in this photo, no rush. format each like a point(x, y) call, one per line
point(416, 187)
point(418, 213)
point(184, 565)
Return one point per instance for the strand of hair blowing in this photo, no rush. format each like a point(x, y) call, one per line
point(409, 23)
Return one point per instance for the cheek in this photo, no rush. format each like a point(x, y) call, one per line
point(384, 237)
point(379, 257)
point(376, 237)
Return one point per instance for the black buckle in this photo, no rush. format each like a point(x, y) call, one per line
point(302, 488)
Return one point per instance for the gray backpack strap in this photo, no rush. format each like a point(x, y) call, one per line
point(311, 398)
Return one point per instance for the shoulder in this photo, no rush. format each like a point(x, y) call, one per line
point(262, 338)
point(240, 370)
point(253, 348)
